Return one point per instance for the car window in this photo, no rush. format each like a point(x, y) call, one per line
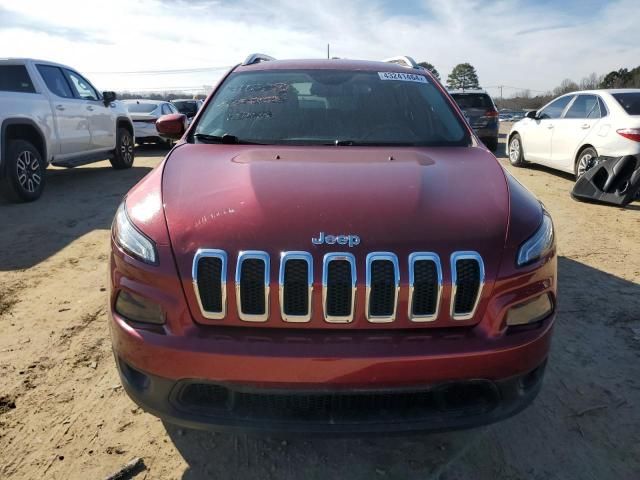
point(55, 81)
point(321, 107)
point(472, 100)
point(173, 108)
point(83, 88)
point(630, 101)
point(15, 78)
point(165, 109)
point(584, 106)
point(555, 108)
point(135, 107)
point(604, 111)
point(187, 107)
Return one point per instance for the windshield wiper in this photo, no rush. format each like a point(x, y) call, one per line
point(226, 138)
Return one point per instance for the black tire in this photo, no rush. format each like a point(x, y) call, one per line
point(123, 155)
point(491, 143)
point(514, 151)
point(24, 178)
point(584, 161)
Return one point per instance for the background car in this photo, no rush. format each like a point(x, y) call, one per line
point(505, 117)
point(51, 114)
point(571, 131)
point(144, 114)
point(481, 113)
point(189, 107)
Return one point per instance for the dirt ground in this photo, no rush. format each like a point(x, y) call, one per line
point(63, 414)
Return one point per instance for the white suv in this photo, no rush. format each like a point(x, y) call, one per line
point(570, 132)
point(50, 114)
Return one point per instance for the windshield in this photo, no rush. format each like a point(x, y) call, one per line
point(629, 101)
point(327, 106)
point(141, 107)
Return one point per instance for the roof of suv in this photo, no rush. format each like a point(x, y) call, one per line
point(332, 64)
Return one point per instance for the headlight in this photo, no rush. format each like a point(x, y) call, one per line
point(130, 239)
point(539, 244)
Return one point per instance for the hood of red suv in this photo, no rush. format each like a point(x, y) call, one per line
point(278, 198)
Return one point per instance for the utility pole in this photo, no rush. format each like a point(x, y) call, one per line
point(500, 86)
point(328, 57)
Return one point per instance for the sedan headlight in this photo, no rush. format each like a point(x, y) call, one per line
point(130, 239)
point(539, 244)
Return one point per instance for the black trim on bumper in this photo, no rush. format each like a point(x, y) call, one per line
point(447, 406)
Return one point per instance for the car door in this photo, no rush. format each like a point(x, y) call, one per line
point(102, 125)
point(69, 114)
point(536, 139)
point(580, 118)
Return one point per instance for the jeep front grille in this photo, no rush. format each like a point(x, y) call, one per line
point(210, 282)
point(425, 286)
point(252, 286)
point(339, 282)
point(296, 286)
point(467, 271)
point(383, 281)
point(339, 287)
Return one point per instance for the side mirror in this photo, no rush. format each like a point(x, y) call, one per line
point(172, 125)
point(533, 114)
point(108, 97)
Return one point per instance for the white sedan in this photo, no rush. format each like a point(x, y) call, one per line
point(144, 114)
point(572, 130)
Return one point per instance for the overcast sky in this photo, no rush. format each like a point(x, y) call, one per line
point(523, 44)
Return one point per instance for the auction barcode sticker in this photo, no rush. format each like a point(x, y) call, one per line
point(404, 77)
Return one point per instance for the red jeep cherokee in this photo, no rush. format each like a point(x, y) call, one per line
point(329, 248)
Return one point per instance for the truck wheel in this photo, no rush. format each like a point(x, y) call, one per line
point(24, 177)
point(123, 154)
point(516, 157)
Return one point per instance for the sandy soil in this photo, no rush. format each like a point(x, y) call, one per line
point(63, 414)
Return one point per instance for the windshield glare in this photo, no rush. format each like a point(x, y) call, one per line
point(322, 106)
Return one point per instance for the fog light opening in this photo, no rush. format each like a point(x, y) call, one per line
point(135, 378)
point(530, 312)
point(136, 308)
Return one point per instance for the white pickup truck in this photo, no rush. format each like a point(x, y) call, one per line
point(50, 114)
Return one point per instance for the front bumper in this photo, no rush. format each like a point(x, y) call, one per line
point(286, 371)
point(445, 406)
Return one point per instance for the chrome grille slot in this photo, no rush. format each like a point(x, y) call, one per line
point(210, 282)
point(296, 286)
point(383, 280)
point(252, 286)
point(425, 286)
point(338, 287)
point(467, 274)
